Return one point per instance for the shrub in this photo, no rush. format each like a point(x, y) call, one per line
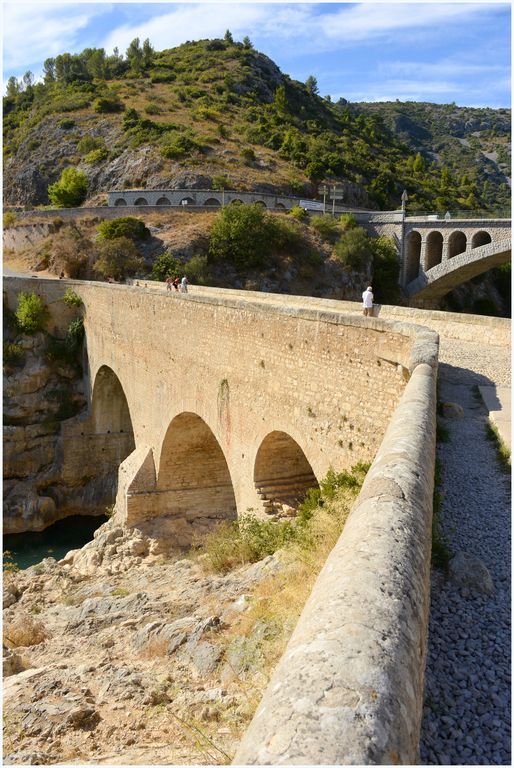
point(176, 145)
point(118, 258)
point(12, 353)
point(165, 265)
point(326, 226)
point(74, 336)
point(248, 156)
point(297, 212)
point(242, 235)
point(106, 104)
point(89, 143)
point(348, 221)
point(66, 124)
point(125, 226)
point(220, 182)
point(197, 268)
point(9, 219)
point(96, 156)
point(24, 630)
point(353, 249)
point(71, 298)
point(70, 190)
point(386, 269)
point(31, 313)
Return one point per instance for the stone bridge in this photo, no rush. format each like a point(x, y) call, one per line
point(218, 401)
point(439, 254)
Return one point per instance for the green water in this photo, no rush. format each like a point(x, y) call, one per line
point(29, 548)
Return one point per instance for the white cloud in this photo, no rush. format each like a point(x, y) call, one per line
point(35, 31)
point(368, 21)
point(189, 22)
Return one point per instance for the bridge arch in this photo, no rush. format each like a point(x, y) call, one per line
point(120, 201)
point(193, 473)
point(480, 238)
point(141, 201)
point(413, 255)
point(261, 203)
point(434, 249)
point(163, 201)
point(457, 243)
point(236, 201)
point(188, 201)
point(213, 201)
point(282, 473)
point(109, 406)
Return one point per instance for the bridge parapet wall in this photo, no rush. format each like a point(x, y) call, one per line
point(349, 687)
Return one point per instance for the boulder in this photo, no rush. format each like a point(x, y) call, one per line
point(467, 570)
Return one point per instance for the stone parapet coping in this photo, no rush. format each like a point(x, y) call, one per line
point(349, 687)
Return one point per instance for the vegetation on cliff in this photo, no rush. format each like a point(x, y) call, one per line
point(216, 109)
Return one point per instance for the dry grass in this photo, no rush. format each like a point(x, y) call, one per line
point(156, 647)
point(24, 630)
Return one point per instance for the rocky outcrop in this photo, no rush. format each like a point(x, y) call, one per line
point(38, 395)
point(131, 656)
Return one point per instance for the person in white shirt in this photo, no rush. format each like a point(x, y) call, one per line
point(183, 284)
point(367, 301)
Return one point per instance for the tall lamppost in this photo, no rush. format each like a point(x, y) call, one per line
point(324, 199)
point(405, 197)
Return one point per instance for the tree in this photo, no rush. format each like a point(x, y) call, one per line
point(247, 43)
point(13, 87)
point(118, 258)
point(386, 268)
point(49, 70)
point(71, 189)
point(165, 265)
point(228, 37)
point(28, 79)
point(280, 100)
point(124, 226)
point(241, 234)
point(31, 313)
point(135, 56)
point(148, 54)
point(312, 85)
point(353, 249)
point(418, 166)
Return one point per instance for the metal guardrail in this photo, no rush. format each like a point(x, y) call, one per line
point(461, 214)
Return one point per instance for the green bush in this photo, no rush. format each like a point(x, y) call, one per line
point(71, 298)
point(220, 182)
point(176, 145)
point(96, 156)
point(326, 226)
point(248, 156)
point(71, 189)
point(242, 235)
point(105, 104)
point(166, 265)
point(353, 249)
point(89, 143)
point(297, 212)
point(12, 353)
point(74, 336)
point(66, 124)
point(9, 219)
point(31, 313)
point(386, 269)
point(197, 269)
point(118, 258)
point(125, 226)
point(348, 221)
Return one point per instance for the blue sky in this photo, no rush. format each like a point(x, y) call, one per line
point(370, 51)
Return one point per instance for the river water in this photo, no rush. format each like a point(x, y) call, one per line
point(26, 549)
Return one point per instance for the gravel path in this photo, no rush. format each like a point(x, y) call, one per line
point(467, 686)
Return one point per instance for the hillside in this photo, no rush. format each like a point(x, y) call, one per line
point(217, 112)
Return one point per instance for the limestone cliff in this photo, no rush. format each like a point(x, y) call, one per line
point(40, 393)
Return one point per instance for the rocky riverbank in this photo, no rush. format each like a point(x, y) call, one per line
point(140, 663)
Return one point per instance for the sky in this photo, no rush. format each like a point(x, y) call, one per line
point(434, 51)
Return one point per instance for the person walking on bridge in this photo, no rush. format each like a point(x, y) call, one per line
point(367, 301)
point(183, 284)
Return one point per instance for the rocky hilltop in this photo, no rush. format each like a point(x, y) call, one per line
point(218, 112)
